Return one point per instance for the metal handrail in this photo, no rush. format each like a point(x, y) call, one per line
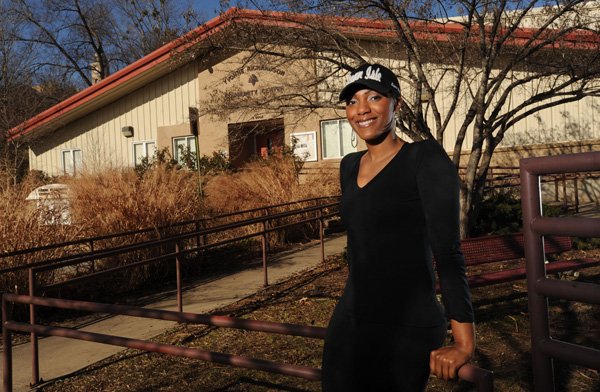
point(152, 229)
point(146, 243)
point(177, 240)
point(69, 261)
point(482, 379)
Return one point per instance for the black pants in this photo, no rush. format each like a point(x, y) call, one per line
point(366, 356)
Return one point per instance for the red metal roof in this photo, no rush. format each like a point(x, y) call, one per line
point(360, 27)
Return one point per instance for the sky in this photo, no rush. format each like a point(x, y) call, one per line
point(209, 8)
point(206, 8)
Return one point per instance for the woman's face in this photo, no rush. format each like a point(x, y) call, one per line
point(371, 114)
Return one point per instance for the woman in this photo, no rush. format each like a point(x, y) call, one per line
point(400, 206)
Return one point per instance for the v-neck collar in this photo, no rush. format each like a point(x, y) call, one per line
point(357, 167)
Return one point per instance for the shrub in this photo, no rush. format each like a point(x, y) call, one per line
point(582, 243)
point(117, 200)
point(501, 213)
point(23, 226)
point(264, 182)
point(156, 194)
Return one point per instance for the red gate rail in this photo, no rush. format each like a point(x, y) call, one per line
point(480, 377)
point(544, 348)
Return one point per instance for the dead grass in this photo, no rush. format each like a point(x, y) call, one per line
point(267, 182)
point(117, 200)
point(22, 226)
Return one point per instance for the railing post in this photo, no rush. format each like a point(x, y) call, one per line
point(543, 379)
point(321, 235)
point(35, 362)
point(198, 240)
point(7, 350)
point(576, 194)
point(564, 189)
point(93, 264)
point(264, 253)
point(266, 226)
point(178, 275)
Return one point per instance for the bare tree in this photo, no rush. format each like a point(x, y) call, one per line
point(69, 35)
point(145, 25)
point(82, 38)
point(461, 62)
point(22, 95)
point(15, 89)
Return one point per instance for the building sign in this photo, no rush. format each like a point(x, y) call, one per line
point(254, 81)
point(249, 71)
point(305, 145)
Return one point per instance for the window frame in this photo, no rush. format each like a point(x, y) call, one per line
point(76, 168)
point(176, 150)
point(339, 123)
point(145, 143)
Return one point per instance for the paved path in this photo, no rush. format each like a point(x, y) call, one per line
point(59, 356)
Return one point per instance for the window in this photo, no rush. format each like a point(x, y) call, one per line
point(182, 144)
point(141, 150)
point(337, 138)
point(71, 162)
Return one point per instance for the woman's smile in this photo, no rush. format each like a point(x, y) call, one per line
point(365, 123)
point(371, 114)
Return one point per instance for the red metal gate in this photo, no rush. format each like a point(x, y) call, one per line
point(543, 347)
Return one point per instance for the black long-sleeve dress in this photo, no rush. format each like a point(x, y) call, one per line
point(388, 320)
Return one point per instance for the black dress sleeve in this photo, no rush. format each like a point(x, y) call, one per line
point(439, 188)
point(346, 166)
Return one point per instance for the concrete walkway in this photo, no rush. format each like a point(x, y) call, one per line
point(60, 356)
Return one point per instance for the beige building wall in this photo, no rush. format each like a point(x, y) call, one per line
point(162, 103)
point(568, 128)
point(240, 89)
point(575, 121)
point(236, 89)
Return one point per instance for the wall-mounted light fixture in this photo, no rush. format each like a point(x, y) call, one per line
point(127, 131)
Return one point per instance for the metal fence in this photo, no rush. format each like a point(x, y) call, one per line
point(543, 347)
point(183, 244)
point(482, 379)
point(562, 189)
point(92, 244)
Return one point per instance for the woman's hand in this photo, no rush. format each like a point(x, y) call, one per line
point(445, 361)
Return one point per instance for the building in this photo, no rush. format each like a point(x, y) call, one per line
point(194, 84)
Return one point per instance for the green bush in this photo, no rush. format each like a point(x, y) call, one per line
point(582, 243)
point(216, 164)
point(501, 214)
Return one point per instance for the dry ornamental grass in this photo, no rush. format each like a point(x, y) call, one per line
point(116, 200)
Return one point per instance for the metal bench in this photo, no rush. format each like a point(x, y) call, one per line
point(505, 249)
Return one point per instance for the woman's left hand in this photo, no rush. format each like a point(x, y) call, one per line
point(445, 361)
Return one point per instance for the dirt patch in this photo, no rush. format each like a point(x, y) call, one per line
point(309, 298)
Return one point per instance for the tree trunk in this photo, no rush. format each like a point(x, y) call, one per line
point(464, 212)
